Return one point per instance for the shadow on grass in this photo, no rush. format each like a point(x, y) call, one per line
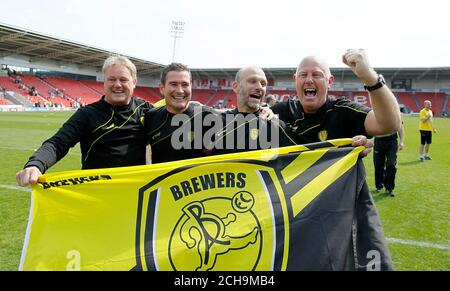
point(410, 163)
point(379, 196)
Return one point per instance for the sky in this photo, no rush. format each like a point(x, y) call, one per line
point(237, 33)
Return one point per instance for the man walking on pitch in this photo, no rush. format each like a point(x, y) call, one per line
point(426, 128)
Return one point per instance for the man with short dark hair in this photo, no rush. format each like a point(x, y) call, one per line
point(170, 128)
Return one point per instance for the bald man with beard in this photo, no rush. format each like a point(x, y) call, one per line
point(244, 125)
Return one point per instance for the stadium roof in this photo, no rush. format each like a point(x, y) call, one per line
point(37, 46)
point(437, 73)
point(17, 41)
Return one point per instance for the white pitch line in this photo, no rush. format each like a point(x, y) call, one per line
point(24, 189)
point(417, 243)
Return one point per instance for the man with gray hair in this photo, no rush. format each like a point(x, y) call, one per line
point(110, 131)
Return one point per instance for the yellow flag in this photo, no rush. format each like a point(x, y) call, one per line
point(231, 212)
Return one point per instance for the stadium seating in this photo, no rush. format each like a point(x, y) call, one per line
point(42, 87)
point(408, 100)
point(74, 89)
point(203, 95)
point(447, 105)
point(219, 95)
point(96, 86)
point(148, 94)
point(43, 90)
point(4, 101)
point(9, 85)
point(91, 91)
point(437, 100)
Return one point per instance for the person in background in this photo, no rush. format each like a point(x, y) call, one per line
point(270, 100)
point(426, 129)
point(385, 160)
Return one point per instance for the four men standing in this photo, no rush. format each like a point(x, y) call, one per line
point(115, 130)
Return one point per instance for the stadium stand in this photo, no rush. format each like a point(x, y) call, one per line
point(9, 84)
point(4, 101)
point(150, 94)
point(74, 89)
point(87, 91)
point(203, 95)
point(42, 87)
point(220, 96)
point(147, 94)
point(408, 100)
point(446, 106)
point(437, 100)
point(96, 86)
point(66, 65)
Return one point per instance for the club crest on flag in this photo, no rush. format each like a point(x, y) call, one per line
point(269, 210)
point(207, 234)
point(212, 220)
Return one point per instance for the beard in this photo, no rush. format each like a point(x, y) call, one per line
point(245, 101)
point(254, 106)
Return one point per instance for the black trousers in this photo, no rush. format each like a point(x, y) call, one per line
point(385, 161)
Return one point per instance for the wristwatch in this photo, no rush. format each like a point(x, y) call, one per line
point(379, 84)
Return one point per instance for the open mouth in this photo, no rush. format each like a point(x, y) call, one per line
point(310, 92)
point(178, 97)
point(256, 96)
